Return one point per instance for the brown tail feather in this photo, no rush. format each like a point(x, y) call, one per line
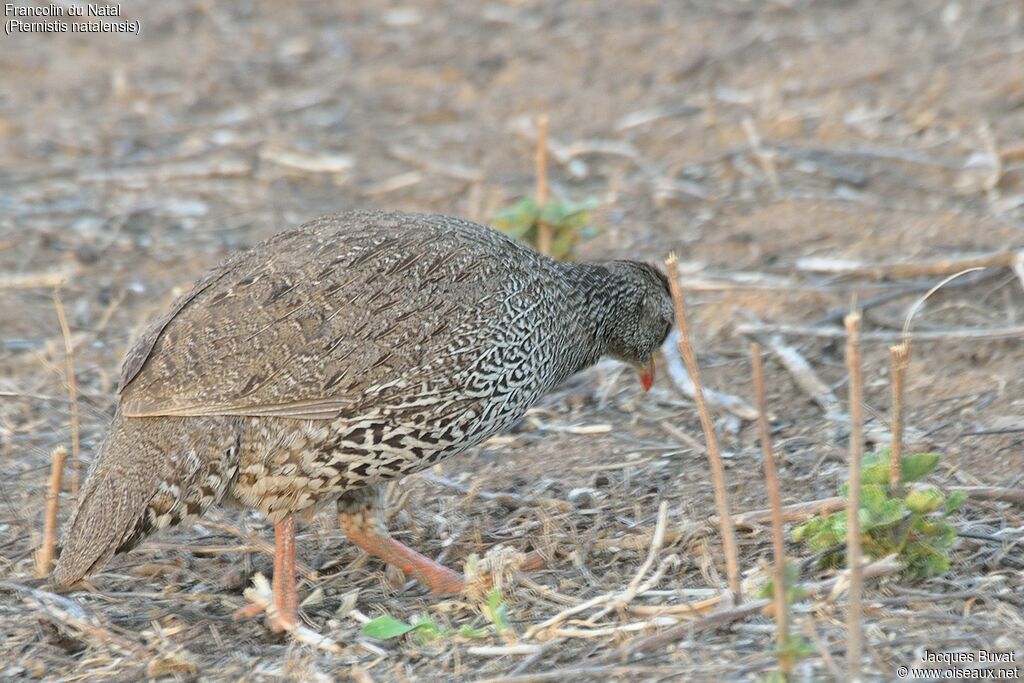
point(112, 504)
point(150, 473)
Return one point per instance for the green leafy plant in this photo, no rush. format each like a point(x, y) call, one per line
point(568, 223)
point(912, 524)
point(386, 627)
point(425, 630)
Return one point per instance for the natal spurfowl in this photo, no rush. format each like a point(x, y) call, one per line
point(330, 358)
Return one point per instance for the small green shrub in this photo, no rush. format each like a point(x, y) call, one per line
point(569, 223)
point(913, 525)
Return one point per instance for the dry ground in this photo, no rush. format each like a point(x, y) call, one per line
point(742, 135)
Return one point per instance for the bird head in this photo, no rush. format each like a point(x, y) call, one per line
point(641, 315)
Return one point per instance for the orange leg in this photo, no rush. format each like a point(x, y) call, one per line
point(286, 598)
point(286, 595)
point(359, 517)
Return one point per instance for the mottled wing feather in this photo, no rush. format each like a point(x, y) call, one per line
point(306, 324)
point(142, 348)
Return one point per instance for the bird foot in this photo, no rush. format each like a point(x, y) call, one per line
point(261, 601)
point(275, 623)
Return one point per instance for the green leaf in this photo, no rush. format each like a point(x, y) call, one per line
point(496, 610)
point(425, 630)
point(794, 592)
point(517, 221)
point(878, 509)
point(875, 468)
point(954, 502)
point(554, 213)
point(385, 627)
point(924, 499)
point(919, 465)
point(467, 631)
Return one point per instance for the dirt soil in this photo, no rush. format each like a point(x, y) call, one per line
point(744, 136)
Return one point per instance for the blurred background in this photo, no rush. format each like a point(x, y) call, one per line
point(743, 135)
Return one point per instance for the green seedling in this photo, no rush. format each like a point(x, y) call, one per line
point(386, 627)
point(425, 630)
point(794, 648)
point(496, 611)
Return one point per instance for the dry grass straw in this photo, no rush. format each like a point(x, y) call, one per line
point(911, 269)
point(794, 512)
point(830, 332)
point(69, 359)
point(828, 590)
point(771, 481)
point(616, 600)
point(854, 645)
point(714, 457)
point(34, 280)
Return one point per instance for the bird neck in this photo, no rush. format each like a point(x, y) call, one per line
point(596, 298)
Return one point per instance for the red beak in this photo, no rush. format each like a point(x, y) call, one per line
point(646, 373)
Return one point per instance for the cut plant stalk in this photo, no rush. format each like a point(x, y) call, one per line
point(775, 503)
point(732, 564)
point(69, 362)
point(44, 558)
point(899, 357)
point(854, 635)
point(541, 163)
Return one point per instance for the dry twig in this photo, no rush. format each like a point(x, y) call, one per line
point(717, 470)
point(763, 156)
point(634, 588)
point(66, 612)
point(33, 280)
point(802, 372)
point(617, 599)
point(994, 493)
